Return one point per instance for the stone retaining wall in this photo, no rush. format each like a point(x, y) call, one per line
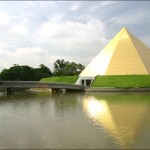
point(109, 89)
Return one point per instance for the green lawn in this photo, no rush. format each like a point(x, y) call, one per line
point(61, 79)
point(122, 81)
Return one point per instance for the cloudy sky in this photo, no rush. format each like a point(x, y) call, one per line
point(39, 32)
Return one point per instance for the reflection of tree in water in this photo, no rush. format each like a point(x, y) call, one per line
point(123, 116)
point(24, 96)
point(66, 100)
point(60, 101)
point(24, 102)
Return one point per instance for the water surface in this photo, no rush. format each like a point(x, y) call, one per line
point(75, 120)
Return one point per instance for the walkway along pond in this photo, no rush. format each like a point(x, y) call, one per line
point(56, 87)
point(59, 87)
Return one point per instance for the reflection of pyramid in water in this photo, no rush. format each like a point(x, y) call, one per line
point(120, 120)
point(125, 54)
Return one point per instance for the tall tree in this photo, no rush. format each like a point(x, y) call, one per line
point(65, 68)
point(42, 72)
point(45, 70)
point(60, 67)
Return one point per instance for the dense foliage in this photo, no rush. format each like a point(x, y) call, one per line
point(125, 81)
point(27, 73)
point(66, 68)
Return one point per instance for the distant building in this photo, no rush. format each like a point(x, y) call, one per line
point(123, 55)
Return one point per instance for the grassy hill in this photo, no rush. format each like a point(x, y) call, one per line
point(117, 81)
point(61, 79)
point(122, 81)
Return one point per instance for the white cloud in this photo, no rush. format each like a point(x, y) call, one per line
point(9, 23)
point(4, 19)
point(32, 56)
point(19, 30)
point(73, 40)
point(12, 33)
point(42, 4)
point(57, 17)
point(75, 7)
point(70, 39)
point(30, 3)
point(131, 17)
point(4, 45)
point(106, 3)
point(101, 6)
point(72, 36)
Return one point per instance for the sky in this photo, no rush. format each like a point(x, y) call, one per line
point(40, 32)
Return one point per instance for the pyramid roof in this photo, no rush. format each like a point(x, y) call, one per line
point(124, 54)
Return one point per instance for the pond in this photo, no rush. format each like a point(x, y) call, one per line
point(43, 120)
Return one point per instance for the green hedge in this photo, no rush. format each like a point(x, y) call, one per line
point(122, 81)
point(61, 79)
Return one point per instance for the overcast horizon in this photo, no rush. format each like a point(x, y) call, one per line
point(40, 32)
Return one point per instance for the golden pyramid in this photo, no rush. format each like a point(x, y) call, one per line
point(124, 55)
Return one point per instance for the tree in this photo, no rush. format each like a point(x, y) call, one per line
point(42, 72)
point(45, 71)
point(6, 75)
point(15, 72)
point(25, 73)
point(66, 68)
point(60, 67)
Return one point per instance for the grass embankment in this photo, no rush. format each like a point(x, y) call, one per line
point(122, 81)
point(61, 79)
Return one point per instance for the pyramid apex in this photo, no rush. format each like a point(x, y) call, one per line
point(124, 29)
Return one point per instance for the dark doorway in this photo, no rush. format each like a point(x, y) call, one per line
point(88, 82)
point(82, 82)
